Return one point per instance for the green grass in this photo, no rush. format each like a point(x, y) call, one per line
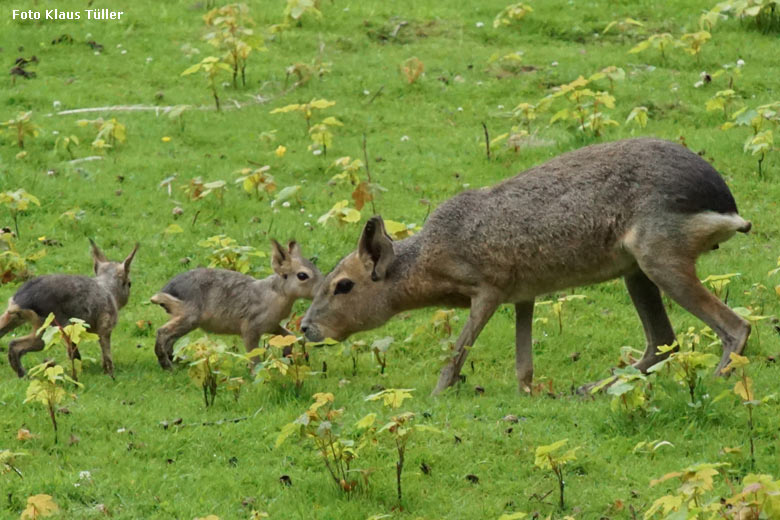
point(425, 142)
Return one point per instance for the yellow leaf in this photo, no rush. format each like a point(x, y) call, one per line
point(744, 389)
point(39, 506)
point(282, 341)
point(24, 434)
point(280, 151)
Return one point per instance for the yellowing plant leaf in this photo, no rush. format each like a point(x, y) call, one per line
point(39, 506)
point(744, 389)
point(23, 434)
point(392, 397)
point(173, 229)
point(282, 341)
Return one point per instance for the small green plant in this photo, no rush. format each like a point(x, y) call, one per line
point(305, 109)
point(612, 73)
point(760, 144)
point(512, 14)
point(341, 213)
point(687, 366)
point(764, 13)
point(71, 335)
point(321, 136)
point(354, 349)
point(210, 66)
point(8, 462)
point(22, 126)
point(233, 35)
point(257, 181)
point(690, 501)
point(585, 108)
point(281, 361)
point(692, 43)
point(66, 143)
point(226, 253)
point(662, 42)
point(719, 284)
point(296, 9)
point(628, 386)
point(380, 347)
point(320, 425)
point(212, 365)
point(47, 389)
point(553, 457)
point(722, 100)
point(624, 25)
point(109, 132)
point(13, 264)
point(638, 115)
point(743, 389)
point(557, 307)
point(400, 428)
point(18, 202)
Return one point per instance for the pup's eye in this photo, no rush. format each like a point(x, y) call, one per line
point(303, 276)
point(344, 286)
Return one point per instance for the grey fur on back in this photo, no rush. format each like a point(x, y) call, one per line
point(82, 296)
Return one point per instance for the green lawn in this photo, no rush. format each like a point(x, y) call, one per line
point(424, 142)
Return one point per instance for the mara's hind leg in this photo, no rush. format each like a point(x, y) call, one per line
point(524, 362)
point(677, 277)
point(167, 335)
point(21, 346)
point(655, 322)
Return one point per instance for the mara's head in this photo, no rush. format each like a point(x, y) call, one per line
point(300, 276)
point(114, 276)
point(356, 295)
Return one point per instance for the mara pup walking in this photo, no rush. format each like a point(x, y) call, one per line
point(227, 302)
point(641, 209)
point(95, 300)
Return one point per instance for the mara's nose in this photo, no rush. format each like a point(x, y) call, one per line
point(304, 328)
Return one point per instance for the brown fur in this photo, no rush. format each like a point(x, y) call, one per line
point(641, 209)
point(227, 302)
point(95, 300)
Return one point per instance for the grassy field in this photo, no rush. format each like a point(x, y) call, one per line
point(425, 142)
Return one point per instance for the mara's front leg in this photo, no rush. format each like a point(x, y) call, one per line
point(524, 361)
point(483, 305)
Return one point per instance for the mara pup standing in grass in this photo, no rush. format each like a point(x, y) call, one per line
point(95, 300)
point(227, 302)
point(641, 209)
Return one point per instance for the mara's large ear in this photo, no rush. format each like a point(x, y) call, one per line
point(97, 255)
point(375, 248)
point(294, 248)
point(129, 259)
point(280, 259)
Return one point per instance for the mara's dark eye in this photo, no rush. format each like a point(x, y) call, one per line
point(344, 286)
point(303, 276)
point(129, 283)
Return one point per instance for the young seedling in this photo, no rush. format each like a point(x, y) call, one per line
point(722, 101)
point(211, 67)
point(380, 347)
point(109, 132)
point(400, 428)
point(212, 365)
point(23, 127)
point(628, 386)
point(686, 364)
point(306, 109)
point(760, 144)
point(257, 181)
point(282, 361)
point(72, 335)
point(47, 389)
point(719, 283)
point(638, 115)
point(553, 457)
point(295, 9)
point(661, 42)
point(341, 213)
point(511, 14)
point(743, 389)
point(17, 202)
point(320, 425)
point(690, 500)
point(8, 462)
point(13, 264)
point(557, 307)
point(226, 253)
point(693, 42)
point(321, 136)
point(232, 34)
